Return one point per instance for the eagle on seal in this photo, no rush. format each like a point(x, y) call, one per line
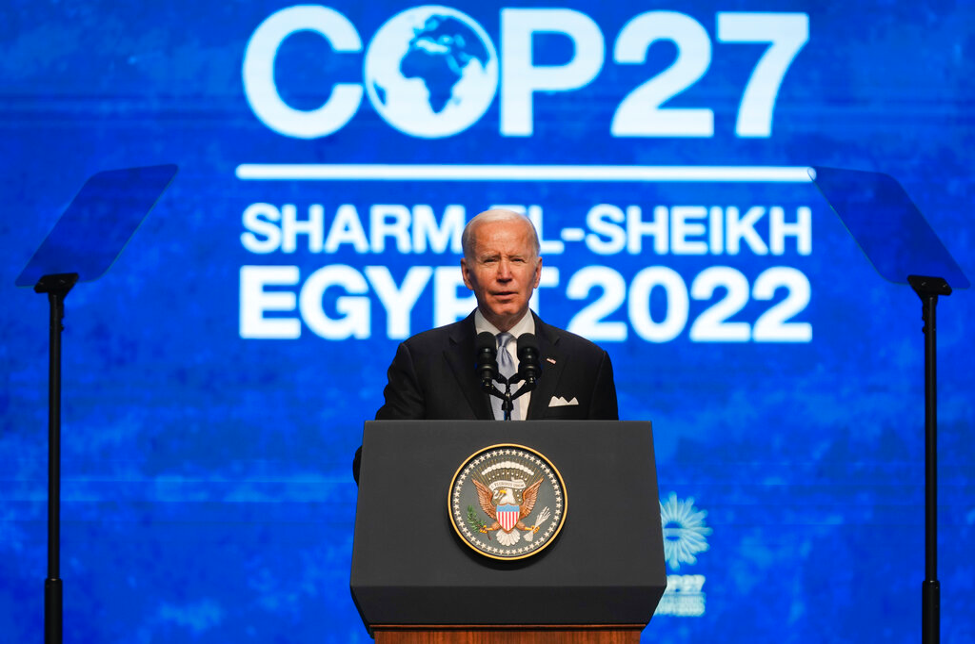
point(492, 504)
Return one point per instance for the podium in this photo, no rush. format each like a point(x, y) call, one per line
point(415, 579)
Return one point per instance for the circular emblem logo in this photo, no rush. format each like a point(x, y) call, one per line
point(507, 502)
point(431, 71)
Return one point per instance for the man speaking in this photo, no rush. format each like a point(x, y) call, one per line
point(434, 375)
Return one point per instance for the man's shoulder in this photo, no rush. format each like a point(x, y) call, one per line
point(457, 330)
point(568, 340)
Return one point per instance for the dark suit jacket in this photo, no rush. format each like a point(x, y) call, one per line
point(433, 377)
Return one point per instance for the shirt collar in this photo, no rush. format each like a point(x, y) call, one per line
point(526, 325)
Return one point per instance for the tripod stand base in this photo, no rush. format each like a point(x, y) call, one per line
point(931, 611)
point(52, 610)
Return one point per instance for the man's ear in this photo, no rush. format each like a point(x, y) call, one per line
point(464, 275)
point(539, 271)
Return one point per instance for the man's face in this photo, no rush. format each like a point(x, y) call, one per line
point(503, 270)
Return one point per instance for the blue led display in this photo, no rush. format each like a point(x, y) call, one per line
point(216, 379)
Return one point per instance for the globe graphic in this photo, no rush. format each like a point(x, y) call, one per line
point(431, 71)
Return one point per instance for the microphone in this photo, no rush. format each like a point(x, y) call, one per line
point(527, 349)
point(486, 366)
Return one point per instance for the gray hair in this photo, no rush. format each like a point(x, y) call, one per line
point(494, 215)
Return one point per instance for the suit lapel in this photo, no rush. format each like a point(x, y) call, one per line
point(460, 356)
point(552, 361)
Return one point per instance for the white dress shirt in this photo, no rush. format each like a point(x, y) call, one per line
point(526, 325)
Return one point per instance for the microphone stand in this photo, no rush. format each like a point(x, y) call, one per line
point(507, 396)
point(488, 370)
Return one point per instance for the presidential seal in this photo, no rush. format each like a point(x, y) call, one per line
point(507, 502)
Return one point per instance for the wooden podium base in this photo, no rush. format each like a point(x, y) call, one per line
point(507, 633)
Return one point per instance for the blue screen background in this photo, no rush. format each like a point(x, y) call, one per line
point(207, 494)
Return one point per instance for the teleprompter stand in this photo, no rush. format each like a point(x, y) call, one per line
point(903, 248)
point(84, 243)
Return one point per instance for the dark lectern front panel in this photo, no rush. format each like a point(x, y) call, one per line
point(410, 567)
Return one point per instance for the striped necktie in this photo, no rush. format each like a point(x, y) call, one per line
point(507, 368)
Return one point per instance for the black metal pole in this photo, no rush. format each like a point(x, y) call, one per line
point(929, 291)
point(931, 585)
point(57, 287)
point(52, 585)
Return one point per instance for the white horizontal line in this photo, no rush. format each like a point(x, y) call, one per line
point(463, 172)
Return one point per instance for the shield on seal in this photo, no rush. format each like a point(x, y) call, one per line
point(508, 515)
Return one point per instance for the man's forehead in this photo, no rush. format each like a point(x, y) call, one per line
point(511, 231)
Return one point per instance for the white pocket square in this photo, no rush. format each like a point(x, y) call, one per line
point(559, 401)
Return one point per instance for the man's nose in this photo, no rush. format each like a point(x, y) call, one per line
point(504, 272)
